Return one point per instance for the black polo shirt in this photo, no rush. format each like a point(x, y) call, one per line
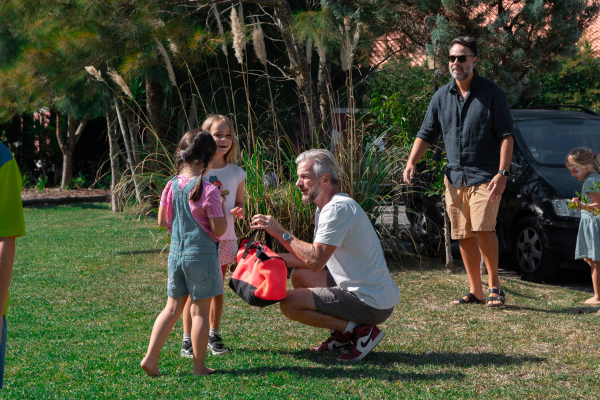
point(471, 128)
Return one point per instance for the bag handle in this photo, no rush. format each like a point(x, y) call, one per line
point(251, 239)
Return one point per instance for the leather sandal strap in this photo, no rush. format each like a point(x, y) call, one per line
point(497, 291)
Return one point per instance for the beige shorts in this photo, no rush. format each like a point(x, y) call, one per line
point(470, 209)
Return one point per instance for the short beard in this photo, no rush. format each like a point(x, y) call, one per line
point(312, 195)
point(464, 75)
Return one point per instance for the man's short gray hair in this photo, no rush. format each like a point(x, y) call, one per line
point(323, 162)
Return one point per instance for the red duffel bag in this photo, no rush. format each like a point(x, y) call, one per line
point(261, 275)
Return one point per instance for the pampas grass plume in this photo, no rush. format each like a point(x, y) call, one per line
point(221, 32)
point(95, 73)
point(238, 36)
point(164, 53)
point(114, 75)
point(259, 43)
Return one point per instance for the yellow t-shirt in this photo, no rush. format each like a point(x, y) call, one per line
point(12, 221)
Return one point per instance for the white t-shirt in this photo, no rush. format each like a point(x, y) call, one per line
point(357, 264)
point(227, 178)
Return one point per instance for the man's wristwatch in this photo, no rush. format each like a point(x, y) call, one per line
point(504, 173)
point(286, 236)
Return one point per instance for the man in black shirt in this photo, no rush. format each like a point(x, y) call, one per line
point(473, 116)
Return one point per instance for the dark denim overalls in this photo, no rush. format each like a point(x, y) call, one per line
point(194, 258)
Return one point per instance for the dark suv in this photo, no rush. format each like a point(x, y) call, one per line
point(534, 223)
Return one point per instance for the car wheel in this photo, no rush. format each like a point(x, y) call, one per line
point(531, 253)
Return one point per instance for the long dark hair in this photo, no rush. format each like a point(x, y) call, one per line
point(196, 146)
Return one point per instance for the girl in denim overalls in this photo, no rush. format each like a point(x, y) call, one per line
point(194, 211)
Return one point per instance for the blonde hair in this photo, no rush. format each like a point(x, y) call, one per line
point(583, 158)
point(232, 155)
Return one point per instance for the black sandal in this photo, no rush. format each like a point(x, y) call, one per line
point(472, 299)
point(498, 298)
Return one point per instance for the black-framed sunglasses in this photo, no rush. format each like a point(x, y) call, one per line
point(461, 59)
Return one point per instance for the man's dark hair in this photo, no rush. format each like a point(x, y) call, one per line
point(465, 41)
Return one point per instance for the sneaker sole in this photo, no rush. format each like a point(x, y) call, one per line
point(367, 349)
point(186, 354)
point(217, 353)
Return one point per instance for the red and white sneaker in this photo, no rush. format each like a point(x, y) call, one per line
point(364, 339)
point(337, 341)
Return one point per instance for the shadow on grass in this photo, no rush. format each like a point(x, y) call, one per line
point(341, 372)
point(383, 364)
point(570, 310)
point(134, 252)
point(462, 360)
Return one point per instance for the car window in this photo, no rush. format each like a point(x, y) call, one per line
point(549, 141)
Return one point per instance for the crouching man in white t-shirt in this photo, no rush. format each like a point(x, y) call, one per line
point(357, 292)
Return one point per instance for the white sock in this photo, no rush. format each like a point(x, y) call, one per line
point(213, 331)
point(350, 327)
point(187, 337)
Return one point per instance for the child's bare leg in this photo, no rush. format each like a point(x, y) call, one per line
point(187, 318)
point(161, 330)
point(200, 311)
point(595, 265)
point(216, 305)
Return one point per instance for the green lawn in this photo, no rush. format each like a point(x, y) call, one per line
point(88, 285)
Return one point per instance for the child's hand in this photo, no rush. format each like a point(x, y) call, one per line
point(238, 212)
point(575, 200)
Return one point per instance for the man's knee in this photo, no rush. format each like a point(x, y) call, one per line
point(297, 278)
point(287, 307)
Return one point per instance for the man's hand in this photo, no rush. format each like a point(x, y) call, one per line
point(409, 173)
point(497, 186)
point(269, 224)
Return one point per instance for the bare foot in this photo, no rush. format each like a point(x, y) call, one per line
point(149, 368)
point(495, 302)
point(204, 371)
point(594, 300)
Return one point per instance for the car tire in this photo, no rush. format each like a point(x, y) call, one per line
point(531, 253)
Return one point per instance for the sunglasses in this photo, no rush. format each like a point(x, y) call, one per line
point(461, 59)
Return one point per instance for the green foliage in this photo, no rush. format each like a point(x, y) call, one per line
point(78, 182)
point(575, 82)
point(41, 183)
point(24, 181)
point(399, 99)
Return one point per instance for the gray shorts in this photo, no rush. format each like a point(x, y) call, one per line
point(333, 300)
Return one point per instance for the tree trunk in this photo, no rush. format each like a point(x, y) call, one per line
point(67, 168)
point(130, 159)
point(447, 244)
point(67, 143)
point(113, 143)
point(299, 67)
point(155, 99)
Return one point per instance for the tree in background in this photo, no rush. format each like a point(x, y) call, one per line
point(576, 82)
point(517, 40)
